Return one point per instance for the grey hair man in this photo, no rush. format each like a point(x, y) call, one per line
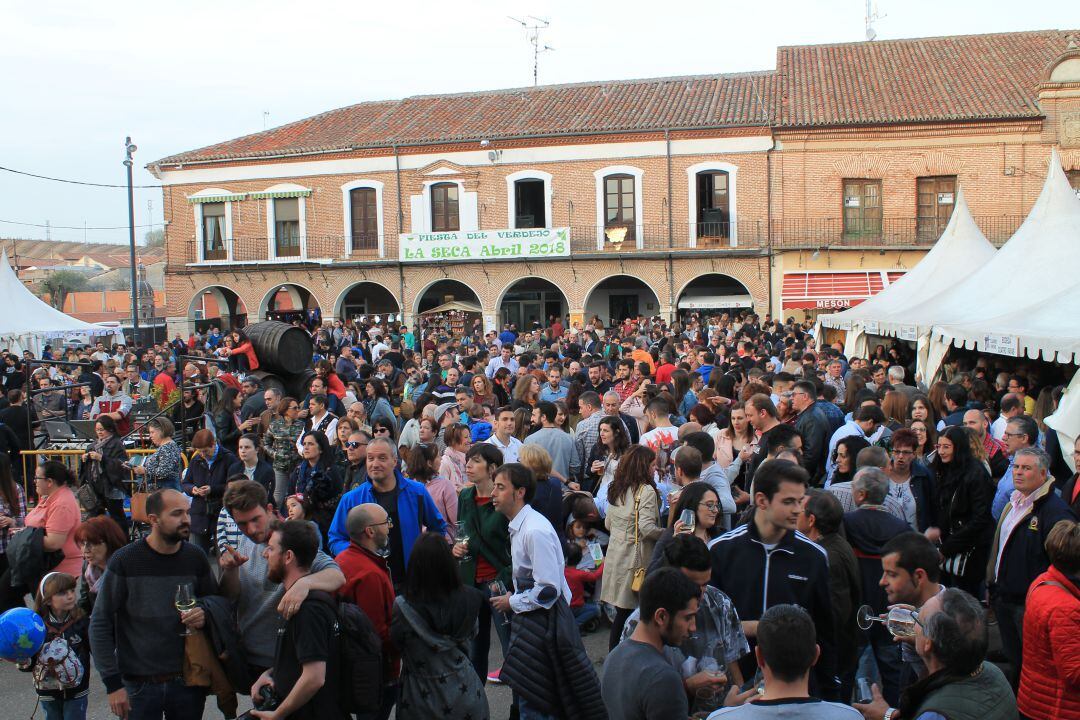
point(1018, 554)
point(407, 502)
point(951, 638)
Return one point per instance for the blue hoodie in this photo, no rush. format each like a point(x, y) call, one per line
point(416, 511)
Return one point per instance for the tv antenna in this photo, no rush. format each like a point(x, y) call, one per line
point(533, 27)
point(871, 16)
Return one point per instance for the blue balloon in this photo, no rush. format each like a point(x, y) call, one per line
point(22, 633)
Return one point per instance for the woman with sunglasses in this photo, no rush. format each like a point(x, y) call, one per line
point(702, 500)
point(280, 443)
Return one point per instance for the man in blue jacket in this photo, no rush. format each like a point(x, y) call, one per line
point(410, 508)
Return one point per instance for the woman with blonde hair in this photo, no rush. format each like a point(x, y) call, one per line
point(548, 497)
point(633, 522)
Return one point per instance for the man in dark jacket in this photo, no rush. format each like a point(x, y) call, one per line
point(768, 562)
point(1018, 554)
point(820, 521)
point(868, 529)
point(814, 427)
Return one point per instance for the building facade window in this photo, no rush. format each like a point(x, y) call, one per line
point(445, 211)
point(862, 207)
point(213, 231)
point(935, 199)
point(713, 205)
point(287, 227)
point(528, 199)
point(619, 205)
point(364, 216)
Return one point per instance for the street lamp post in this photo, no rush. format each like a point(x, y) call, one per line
point(130, 148)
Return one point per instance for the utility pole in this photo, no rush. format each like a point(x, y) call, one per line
point(532, 32)
point(129, 149)
point(48, 231)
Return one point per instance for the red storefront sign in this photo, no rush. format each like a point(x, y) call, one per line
point(833, 291)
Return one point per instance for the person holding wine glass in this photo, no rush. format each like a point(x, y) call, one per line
point(135, 631)
point(483, 546)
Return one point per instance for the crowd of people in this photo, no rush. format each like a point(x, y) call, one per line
point(763, 527)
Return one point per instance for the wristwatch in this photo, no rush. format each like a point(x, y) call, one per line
point(889, 714)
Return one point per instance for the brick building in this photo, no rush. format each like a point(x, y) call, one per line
point(794, 190)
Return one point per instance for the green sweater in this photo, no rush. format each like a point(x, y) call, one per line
point(489, 536)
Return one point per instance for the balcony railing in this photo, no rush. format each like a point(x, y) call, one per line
point(590, 240)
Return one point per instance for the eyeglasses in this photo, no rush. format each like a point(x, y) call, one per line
point(941, 446)
point(388, 523)
point(352, 445)
point(903, 452)
point(381, 430)
point(915, 617)
point(1014, 434)
point(710, 505)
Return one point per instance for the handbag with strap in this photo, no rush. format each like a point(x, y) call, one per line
point(138, 505)
point(639, 572)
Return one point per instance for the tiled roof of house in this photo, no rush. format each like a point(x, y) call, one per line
point(598, 107)
point(887, 81)
point(961, 77)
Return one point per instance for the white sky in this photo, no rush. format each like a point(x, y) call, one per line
point(80, 76)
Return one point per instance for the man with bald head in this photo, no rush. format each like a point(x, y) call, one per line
point(996, 453)
point(367, 583)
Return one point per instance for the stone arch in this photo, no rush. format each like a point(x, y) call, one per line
point(545, 305)
point(236, 311)
point(419, 297)
point(632, 286)
point(379, 305)
point(727, 286)
point(299, 300)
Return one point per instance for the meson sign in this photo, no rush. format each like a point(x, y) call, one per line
point(485, 245)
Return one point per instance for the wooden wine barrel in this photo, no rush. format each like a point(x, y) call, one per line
point(281, 348)
point(268, 380)
point(298, 384)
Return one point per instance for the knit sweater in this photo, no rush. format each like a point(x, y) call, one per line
point(135, 628)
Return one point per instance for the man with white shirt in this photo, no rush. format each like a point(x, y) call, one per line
point(378, 349)
point(503, 438)
point(322, 420)
point(505, 359)
point(1011, 406)
point(539, 599)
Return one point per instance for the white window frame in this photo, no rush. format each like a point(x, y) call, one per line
point(713, 166)
point(468, 207)
point(511, 199)
point(347, 205)
point(639, 222)
point(200, 246)
point(271, 244)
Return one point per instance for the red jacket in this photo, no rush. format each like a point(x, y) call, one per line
point(1050, 674)
point(249, 351)
point(367, 583)
point(576, 580)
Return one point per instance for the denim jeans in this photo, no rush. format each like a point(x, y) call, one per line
point(585, 613)
point(170, 700)
point(528, 712)
point(57, 709)
point(482, 642)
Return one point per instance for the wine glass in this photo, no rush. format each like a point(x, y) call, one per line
point(185, 600)
point(463, 541)
point(900, 621)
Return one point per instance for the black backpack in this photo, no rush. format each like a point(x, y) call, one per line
point(360, 662)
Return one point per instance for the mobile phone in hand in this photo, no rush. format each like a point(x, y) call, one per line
point(863, 694)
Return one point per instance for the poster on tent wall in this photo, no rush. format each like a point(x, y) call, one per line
point(909, 333)
point(999, 344)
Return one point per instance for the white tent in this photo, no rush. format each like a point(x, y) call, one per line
point(1024, 292)
point(961, 248)
point(27, 321)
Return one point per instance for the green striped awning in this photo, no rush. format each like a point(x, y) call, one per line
point(232, 197)
point(280, 194)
